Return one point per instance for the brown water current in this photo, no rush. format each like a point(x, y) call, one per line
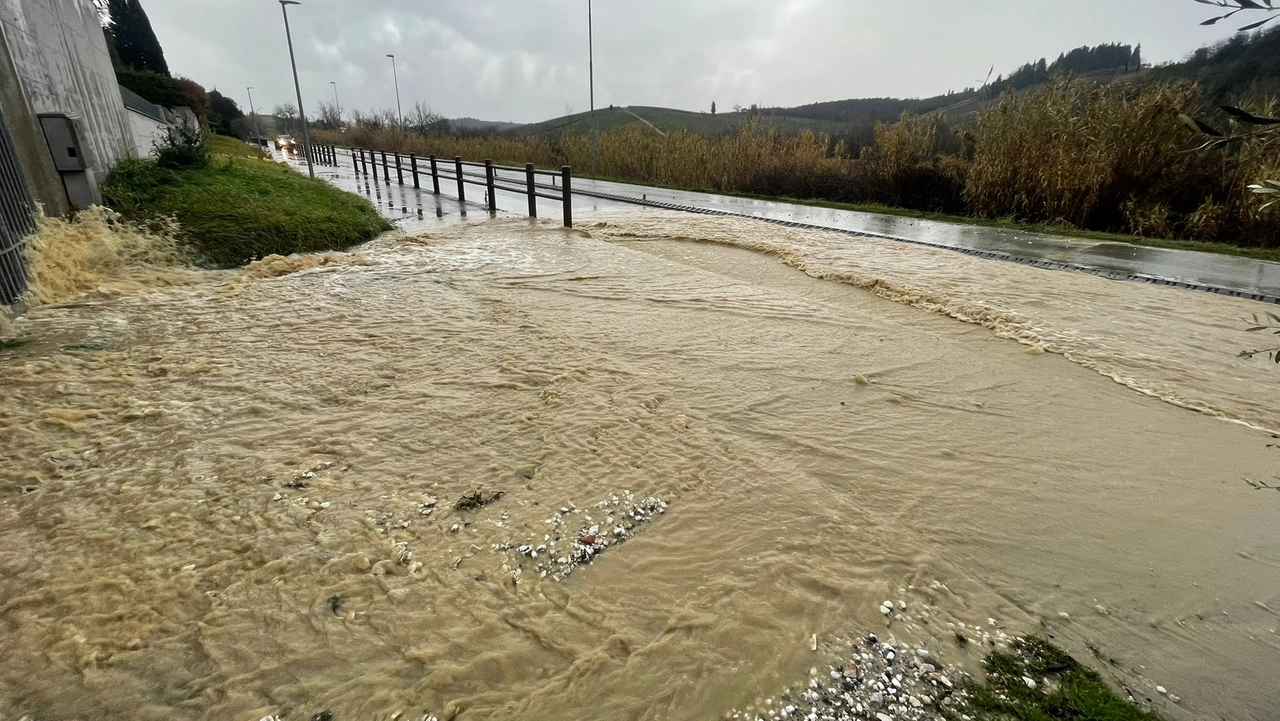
point(234, 497)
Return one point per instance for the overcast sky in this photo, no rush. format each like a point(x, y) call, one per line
point(526, 60)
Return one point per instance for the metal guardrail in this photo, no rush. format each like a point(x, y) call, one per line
point(362, 160)
point(322, 154)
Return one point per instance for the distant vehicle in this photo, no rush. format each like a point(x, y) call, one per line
point(285, 143)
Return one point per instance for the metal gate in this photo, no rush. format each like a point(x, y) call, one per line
point(17, 220)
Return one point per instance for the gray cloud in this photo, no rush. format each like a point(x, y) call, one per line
point(526, 60)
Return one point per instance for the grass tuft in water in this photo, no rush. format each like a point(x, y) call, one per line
point(1061, 689)
point(476, 499)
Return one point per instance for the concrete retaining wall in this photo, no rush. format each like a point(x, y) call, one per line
point(39, 173)
point(61, 60)
point(146, 132)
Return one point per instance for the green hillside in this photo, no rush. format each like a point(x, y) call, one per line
point(668, 120)
point(1246, 65)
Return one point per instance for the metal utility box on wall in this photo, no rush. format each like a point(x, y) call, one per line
point(63, 136)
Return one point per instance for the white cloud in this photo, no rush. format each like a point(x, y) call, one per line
point(527, 59)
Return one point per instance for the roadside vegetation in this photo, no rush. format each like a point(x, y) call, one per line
point(233, 148)
point(1113, 158)
point(233, 208)
point(1067, 154)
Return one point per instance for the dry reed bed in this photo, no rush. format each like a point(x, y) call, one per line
point(1108, 158)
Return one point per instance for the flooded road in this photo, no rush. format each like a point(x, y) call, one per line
point(236, 498)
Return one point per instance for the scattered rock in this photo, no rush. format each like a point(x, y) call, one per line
point(323, 716)
point(561, 551)
point(879, 681)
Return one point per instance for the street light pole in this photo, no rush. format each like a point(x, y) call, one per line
point(337, 105)
point(302, 114)
point(395, 76)
point(254, 113)
point(591, 53)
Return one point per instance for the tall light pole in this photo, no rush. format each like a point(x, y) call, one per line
point(254, 113)
point(337, 105)
point(302, 114)
point(396, 78)
point(591, 54)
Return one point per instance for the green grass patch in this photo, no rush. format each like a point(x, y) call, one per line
point(235, 210)
point(1064, 690)
point(234, 147)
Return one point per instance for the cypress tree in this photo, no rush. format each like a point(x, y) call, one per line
point(135, 41)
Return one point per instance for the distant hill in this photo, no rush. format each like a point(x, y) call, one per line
point(666, 120)
point(483, 126)
point(1245, 65)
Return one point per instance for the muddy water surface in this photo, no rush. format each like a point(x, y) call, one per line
point(167, 553)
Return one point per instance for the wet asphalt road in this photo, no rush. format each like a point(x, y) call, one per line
point(1228, 275)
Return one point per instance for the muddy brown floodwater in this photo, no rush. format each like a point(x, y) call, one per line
point(235, 498)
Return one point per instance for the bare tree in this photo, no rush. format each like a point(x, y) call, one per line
point(388, 117)
point(372, 120)
point(424, 121)
point(1238, 6)
point(328, 116)
point(288, 115)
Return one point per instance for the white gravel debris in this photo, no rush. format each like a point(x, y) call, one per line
point(627, 516)
point(882, 681)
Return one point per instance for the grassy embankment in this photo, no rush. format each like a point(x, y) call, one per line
point(234, 205)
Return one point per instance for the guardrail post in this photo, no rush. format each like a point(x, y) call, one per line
point(374, 158)
point(566, 176)
point(488, 179)
point(399, 170)
point(386, 168)
point(355, 164)
point(413, 166)
point(533, 190)
point(364, 162)
point(462, 191)
point(435, 176)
